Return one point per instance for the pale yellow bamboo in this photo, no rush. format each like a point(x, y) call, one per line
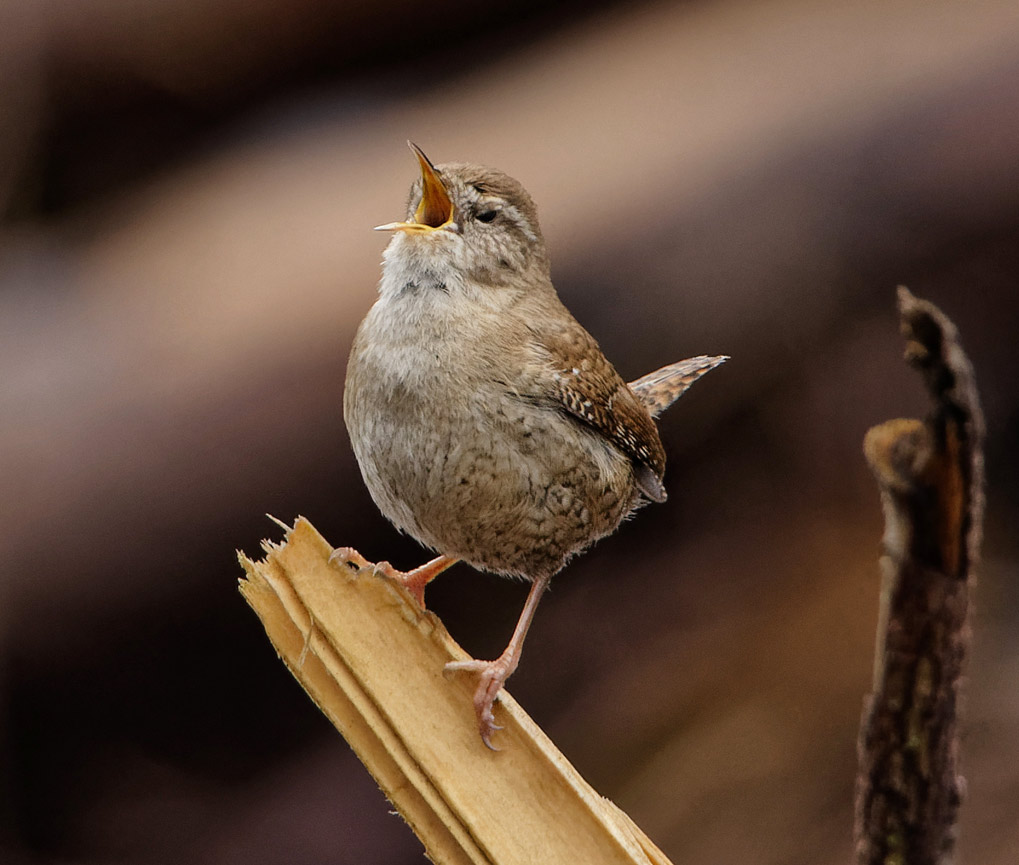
point(373, 662)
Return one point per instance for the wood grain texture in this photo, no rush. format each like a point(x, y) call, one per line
point(372, 661)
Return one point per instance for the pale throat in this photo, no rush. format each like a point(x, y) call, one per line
point(417, 266)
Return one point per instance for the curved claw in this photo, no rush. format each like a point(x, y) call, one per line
point(492, 676)
point(350, 556)
point(384, 569)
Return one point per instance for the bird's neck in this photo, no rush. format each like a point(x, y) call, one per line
point(411, 269)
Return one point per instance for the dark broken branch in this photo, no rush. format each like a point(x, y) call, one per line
point(931, 478)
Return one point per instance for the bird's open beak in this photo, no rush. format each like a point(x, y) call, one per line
point(435, 210)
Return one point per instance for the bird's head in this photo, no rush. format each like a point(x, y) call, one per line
point(470, 219)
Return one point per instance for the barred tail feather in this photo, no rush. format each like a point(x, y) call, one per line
point(659, 389)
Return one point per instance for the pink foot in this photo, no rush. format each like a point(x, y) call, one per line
point(413, 581)
point(408, 579)
point(492, 676)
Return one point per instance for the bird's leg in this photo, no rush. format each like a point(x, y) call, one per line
point(493, 674)
point(414, 581)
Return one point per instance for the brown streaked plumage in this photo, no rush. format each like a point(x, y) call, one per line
point(486, 421)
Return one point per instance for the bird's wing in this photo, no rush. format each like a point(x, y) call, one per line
point(586, 386)
point(659, 389)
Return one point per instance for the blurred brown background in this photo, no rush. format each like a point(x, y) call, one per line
point(186, 192)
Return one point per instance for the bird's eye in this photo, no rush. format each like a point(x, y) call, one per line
point(487, 215)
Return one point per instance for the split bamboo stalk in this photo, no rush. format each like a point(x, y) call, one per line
point(372, 661)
